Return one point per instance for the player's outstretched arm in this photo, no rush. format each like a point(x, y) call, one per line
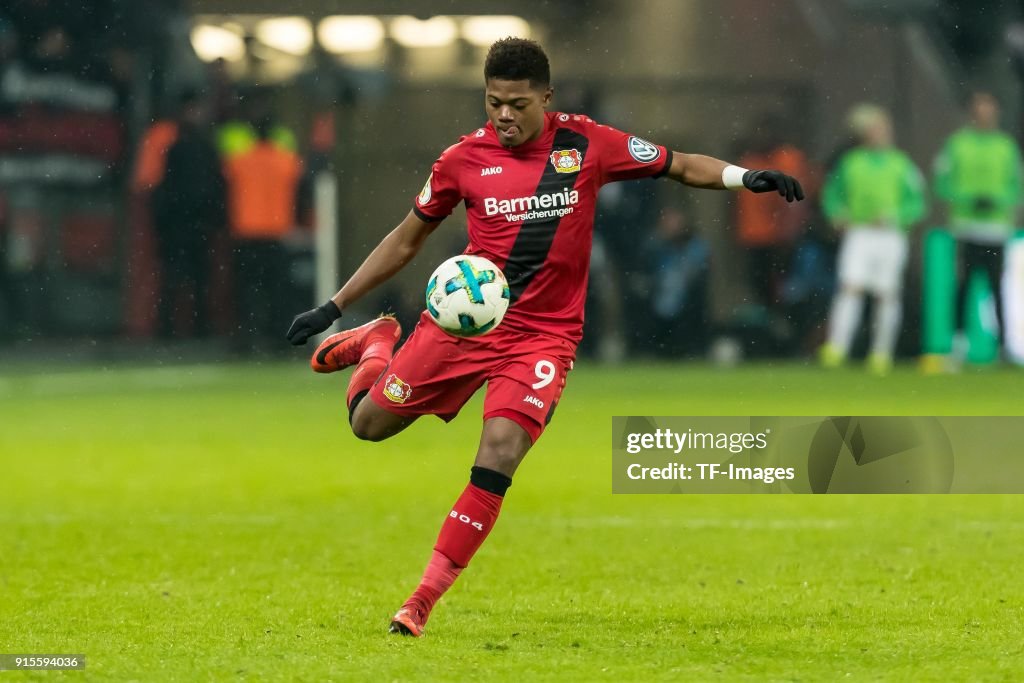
point(390, 256)
point(697, 170)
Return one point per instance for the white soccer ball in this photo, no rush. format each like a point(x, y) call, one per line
point(467, 296)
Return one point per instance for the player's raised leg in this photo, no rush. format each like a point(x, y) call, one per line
point(503, 445)
point(370, 348)
point(370, 422)
point(375, 339)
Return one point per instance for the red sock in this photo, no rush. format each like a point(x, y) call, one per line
point(376, 356)
point(462, 533)
point(438, 577)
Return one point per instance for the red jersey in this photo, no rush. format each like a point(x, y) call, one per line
point(530, 209)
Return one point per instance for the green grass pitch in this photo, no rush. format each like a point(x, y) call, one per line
point(221, 523)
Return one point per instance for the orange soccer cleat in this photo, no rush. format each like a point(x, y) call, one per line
point(346, 348)
point(407, 622)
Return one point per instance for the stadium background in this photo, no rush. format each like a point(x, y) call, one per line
point(79, 255)
point(178, 512)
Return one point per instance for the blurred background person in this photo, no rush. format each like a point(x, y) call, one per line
point(9, 315)
point(240, 112)
point(617, 289)
point(188, 210)
point(678, 265)
point(978, 176)
point(145, 282)
point(768, 233)
point(874, 195)
point(615, 322)
point(263, 184)
point(808, 287)
point(8, 295)
point(8, 44)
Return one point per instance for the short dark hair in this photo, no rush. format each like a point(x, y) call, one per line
point(518, 59)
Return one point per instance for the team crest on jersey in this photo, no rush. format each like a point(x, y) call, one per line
point(396, 390)
point(425, 193)
point(566, 160)
point(642, 151)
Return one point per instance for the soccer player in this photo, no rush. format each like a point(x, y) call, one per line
point(978, 174)
point(874, 195)
point(529, 179)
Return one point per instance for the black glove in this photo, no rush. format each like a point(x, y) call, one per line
point(766, 181)
point(984, 204)
point(305, 325)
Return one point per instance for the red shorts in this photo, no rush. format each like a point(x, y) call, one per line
point(435, 373)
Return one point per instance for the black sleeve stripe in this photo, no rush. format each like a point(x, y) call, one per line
point(668, 164)
point(424, 217)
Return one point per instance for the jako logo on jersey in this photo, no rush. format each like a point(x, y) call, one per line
point(642, 151)
point(535, 206)
point(396, 390)
point(425, 192)
point(493, 170)
point(455, 514)
point(534, 400)
point(566, 160)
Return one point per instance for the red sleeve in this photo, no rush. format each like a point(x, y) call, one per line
point(624, 157)
point(441, 194)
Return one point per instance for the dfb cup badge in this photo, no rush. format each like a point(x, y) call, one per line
point(426, 192)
